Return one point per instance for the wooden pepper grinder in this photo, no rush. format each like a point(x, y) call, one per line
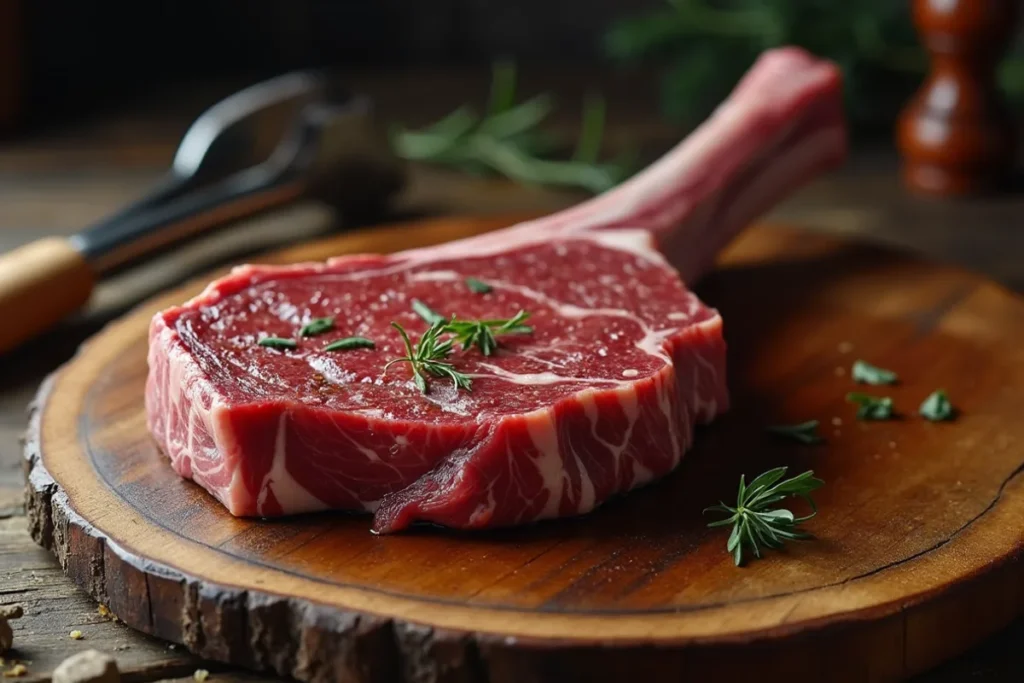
point(956, 134)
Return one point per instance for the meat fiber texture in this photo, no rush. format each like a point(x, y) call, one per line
point(602, 397)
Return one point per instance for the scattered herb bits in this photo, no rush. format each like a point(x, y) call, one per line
point(805, 432)
point(871, 407)
point(866, 373)
point(478, 286)
point(279, 343)
point(937, 407)
point(318, 326)
point(427, 313)
point(755, 523)
point(351, 343)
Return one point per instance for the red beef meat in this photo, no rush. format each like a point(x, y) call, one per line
point(600, 398)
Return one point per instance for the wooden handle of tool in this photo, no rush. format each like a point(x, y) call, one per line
point(40, 284)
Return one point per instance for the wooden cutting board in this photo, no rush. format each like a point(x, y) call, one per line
point(920, 530)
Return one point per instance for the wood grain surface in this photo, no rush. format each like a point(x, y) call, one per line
point(918, 547)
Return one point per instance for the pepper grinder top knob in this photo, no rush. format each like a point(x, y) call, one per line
point(956, 135)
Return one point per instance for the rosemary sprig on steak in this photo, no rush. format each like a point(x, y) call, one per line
point(755, 523)
point(470, 333)
point(480, 333)
point(428, 357)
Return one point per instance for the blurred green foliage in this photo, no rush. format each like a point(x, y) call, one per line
point(708, 44)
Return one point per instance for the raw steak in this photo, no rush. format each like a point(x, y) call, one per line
point(600, 398)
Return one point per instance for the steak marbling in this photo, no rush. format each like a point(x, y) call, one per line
point(601, 398)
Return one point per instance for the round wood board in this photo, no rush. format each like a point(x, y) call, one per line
point(919, 534)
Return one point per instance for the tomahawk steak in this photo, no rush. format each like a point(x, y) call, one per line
point(599, 396)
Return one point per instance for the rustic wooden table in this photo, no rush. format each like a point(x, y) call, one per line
point(55, 182)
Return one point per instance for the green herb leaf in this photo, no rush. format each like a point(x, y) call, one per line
point(317, 326)
point(350, 343)
point(424, 311)
point(805, 432)
point(755, 523)
point(478, 286)
point(481, 333)
point(869, 374)
point(277, 343)
point(937, 407)
point(871, 407)
point(428, 356)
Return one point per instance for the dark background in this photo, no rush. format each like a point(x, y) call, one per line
point(89, 54)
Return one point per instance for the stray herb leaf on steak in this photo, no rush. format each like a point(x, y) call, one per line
point(317, 326)
point(351, 343)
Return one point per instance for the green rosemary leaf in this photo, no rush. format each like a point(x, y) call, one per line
point(350, 343)
point(478, 286)
point(277, 343)
point(869, 374)
point(421, 381)
point(754, 523)
point(871, 407)
point(424, 311)
point(937, 407)
point(805, 432)
point(317, 326)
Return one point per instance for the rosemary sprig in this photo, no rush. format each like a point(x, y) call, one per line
point(428, 356)
point(805, 432)
point(481, 333)
point(506, 141)
point(755, 523)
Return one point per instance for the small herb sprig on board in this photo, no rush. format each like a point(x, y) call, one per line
point(755, 522)
point(937, 408)
point(871, 407)
point(805, 432)
point(429, 356)
point(506, 141)
point(867, 373)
